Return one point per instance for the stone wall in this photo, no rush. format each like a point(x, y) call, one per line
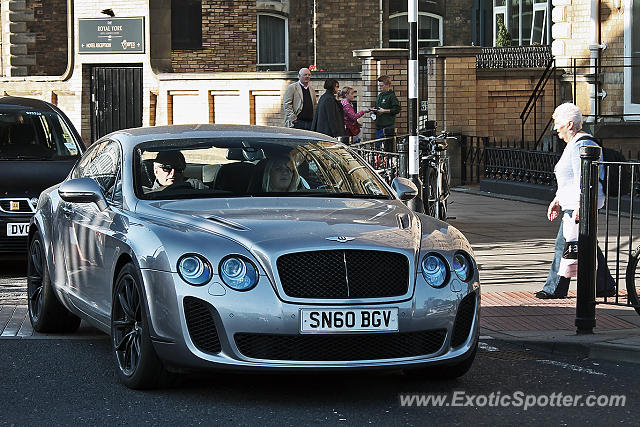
point(50, 30)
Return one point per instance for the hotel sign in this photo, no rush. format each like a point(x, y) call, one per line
point(111, 35)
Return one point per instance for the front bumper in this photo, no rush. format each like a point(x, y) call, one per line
point(215, 327)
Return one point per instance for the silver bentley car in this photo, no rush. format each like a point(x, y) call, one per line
point(249, 247)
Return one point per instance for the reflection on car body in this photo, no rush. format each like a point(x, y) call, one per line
point(291, 253)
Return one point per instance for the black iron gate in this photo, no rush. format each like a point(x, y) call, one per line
point(116, 99)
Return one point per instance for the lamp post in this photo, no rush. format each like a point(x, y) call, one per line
point(416, 203)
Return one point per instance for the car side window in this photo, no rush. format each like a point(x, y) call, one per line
point(102, 164)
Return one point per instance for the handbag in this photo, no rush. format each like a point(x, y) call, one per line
point(569, 261)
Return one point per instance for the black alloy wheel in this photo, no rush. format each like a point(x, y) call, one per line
point(46, 312)
point(138, 364)
point(127, 325)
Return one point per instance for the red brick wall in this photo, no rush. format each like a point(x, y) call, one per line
point(50, 28)
point(229, 32)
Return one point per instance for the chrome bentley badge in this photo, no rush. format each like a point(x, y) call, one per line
point(341, 239)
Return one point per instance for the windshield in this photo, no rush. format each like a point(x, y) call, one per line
point(176, 169)
point(35, 135)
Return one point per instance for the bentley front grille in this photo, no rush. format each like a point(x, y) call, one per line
point(344, 274)
point(201, 326)
point(343, 347)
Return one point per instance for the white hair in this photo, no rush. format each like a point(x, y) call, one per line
point(568, 112)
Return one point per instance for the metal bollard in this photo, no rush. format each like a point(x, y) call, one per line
point(587, 243)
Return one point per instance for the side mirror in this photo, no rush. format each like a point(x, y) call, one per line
point(82, 190)
point(404, 188)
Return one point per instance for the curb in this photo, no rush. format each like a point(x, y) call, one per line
point(602, 350)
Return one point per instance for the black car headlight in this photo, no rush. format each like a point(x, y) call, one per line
point(463, 266)
point(194, 269)
point(434, 270)
point(238, 273)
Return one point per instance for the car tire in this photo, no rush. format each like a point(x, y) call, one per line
point(445, 372)
point(138, 364)
point(46, 312)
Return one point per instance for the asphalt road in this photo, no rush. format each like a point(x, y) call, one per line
point(73, 382)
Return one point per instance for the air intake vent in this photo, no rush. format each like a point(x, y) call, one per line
point(202, 329)
point(464, 320)
point(340, 347)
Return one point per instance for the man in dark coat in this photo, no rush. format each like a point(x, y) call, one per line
point(329, 116)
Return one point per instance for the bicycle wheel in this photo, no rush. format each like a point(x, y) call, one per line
point(630, 278)
point(430, 193)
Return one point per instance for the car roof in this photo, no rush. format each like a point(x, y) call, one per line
point(15, 102)
point(134, 136)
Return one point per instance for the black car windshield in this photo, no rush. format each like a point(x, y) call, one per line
point(178, 169)
point(35, 135)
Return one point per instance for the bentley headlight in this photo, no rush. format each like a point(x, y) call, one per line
point(434, 270)
point(194, 269)
point(238, 273)
point(463, 266)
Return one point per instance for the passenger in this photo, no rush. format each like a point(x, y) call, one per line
point(168, 168)
point(280, 175)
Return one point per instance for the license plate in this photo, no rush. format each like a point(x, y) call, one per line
point(348, 320)
point(18, 229)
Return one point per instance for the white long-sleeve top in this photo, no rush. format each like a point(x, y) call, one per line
point(567, 172)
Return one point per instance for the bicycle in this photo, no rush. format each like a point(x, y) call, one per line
point(434, 169)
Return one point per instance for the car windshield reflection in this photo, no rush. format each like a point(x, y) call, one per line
point(177, 169)
point(35, 135)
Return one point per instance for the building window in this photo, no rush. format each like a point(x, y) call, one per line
point(632, 59)
point(526, 20)
point(429, 30)
point(273, 42)
point(186, 24)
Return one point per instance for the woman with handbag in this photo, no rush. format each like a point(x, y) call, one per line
point(352, 127)
point(568, 123)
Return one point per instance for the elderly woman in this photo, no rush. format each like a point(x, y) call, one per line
point(280, 175)
point(329, 117)
point(568, 123)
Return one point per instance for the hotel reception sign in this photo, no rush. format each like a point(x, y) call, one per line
point(111, 35)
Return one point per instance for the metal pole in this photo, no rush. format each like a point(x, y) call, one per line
point(586, 297)
point(415, 204)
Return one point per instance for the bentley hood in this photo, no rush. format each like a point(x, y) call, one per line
point(281, 225)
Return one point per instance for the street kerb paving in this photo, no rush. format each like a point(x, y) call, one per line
point(513, 244)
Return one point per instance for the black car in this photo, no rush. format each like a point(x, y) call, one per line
point(38, 147)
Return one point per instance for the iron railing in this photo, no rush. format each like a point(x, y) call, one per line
point(618, 234)
point(386, 155)
point(514, 57)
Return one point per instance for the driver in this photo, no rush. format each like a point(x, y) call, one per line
point(168, 168)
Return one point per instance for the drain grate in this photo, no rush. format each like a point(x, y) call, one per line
point(511, 355)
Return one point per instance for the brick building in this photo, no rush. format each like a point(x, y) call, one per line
point(222, 61)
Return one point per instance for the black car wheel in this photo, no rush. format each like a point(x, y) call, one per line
point(46, 313)
point(138, 364)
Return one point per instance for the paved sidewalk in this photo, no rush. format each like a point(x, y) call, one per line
point(513, 243)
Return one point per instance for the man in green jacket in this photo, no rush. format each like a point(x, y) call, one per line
point(387, 106)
